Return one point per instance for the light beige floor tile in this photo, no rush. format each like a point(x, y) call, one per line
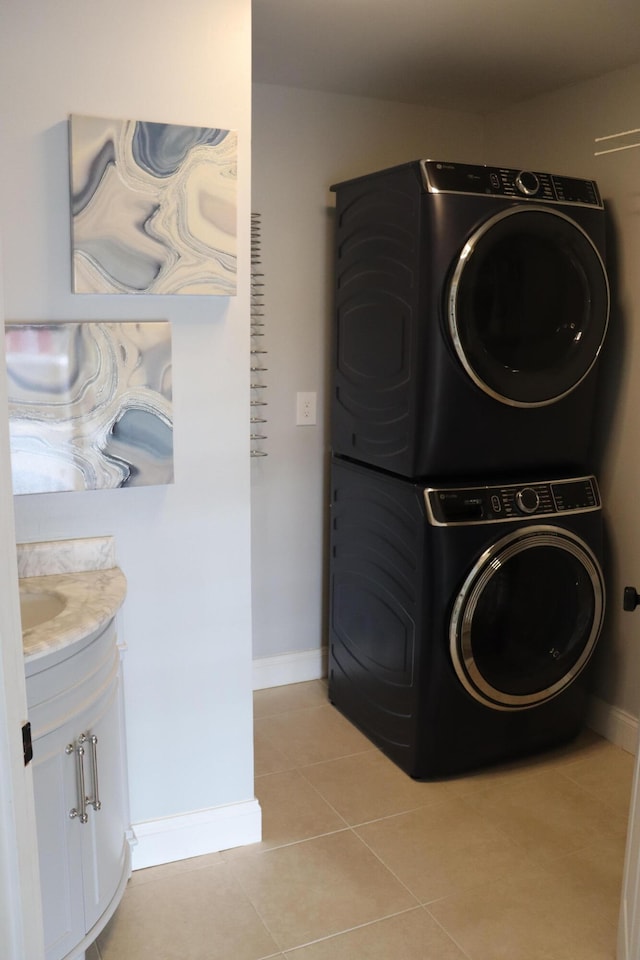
point(268, 757)
point(607, 775)
point(537, 918)
point(92, 953)
point(547, 815)
point(526, 856)
point(292, 810)
point(293, 696)
point(595, 875)
point(368, 786)
point(586, 745)
point(198, 915)
point(443, 848)
point(320, 887)
point(408, 936)
point(313, 735)
point(167, 870)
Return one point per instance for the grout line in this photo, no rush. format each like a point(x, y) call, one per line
point(278, 712)
point(357, 926)
point(287, 843)
point(314, 763)
point(300, 771)
point(262, 920)
point(347, 756)
point(418, 904)
point(593, 794)
point(445, 931)
point(386, 866)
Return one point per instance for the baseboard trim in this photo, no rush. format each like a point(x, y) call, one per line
point(614, 724)
point(195, 834)
point(289, 668)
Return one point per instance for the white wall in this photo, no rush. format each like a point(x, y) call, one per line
point(185, 549)
point(304, 141)
point(557, 133)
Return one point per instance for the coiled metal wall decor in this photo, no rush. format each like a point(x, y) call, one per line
point(257, 369)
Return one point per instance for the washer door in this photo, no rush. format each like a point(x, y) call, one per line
point(527, 618)
point(528, 306)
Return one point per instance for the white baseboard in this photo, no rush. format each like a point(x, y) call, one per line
point(195, 834)
point(614, 724)
point(289, 668)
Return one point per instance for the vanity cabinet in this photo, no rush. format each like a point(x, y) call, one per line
point(79, 772)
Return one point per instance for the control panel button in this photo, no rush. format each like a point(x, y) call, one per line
point(527, 500)
point(527, 183)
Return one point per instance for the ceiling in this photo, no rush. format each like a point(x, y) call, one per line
point(473, 55)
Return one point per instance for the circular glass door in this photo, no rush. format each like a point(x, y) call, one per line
point(528, 306)
point(527, 618)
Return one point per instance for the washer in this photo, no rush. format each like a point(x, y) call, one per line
point(471, 307)
point(462, 618)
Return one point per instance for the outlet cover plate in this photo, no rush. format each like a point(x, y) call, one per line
point(306, 409)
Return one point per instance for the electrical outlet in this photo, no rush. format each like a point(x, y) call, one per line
point(305, 409)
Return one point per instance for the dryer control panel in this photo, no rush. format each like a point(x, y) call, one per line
point(447, 506)
point(441, 177)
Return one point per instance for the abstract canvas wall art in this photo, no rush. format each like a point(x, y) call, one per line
point(153, 207)
point(90, 405)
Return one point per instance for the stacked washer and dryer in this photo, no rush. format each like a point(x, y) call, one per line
point(466, 586)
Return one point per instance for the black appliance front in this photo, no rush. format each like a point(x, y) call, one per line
point(462, 619)
point(471, 307)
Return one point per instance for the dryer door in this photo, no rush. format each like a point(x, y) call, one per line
point(527, 618)
point(528, 306)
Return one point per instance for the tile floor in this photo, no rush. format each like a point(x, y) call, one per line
point(359, 862)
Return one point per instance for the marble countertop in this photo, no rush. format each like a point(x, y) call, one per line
point(92, 596)
point(92, 599)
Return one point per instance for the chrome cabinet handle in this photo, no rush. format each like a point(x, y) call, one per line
point(83, 800)
point(81, 813)
point(95, 802)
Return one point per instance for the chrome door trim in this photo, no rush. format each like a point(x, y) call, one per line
point(476, 581)
point(465, 253)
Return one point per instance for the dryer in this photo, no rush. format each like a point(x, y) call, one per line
point(463, 617)
point(471, 306)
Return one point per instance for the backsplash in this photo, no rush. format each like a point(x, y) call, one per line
point(66, 556)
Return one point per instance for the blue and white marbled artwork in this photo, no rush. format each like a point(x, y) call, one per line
point(90, 405)
point(153, 207)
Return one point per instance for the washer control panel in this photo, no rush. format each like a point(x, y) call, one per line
point(508, 502)
point(441, 177)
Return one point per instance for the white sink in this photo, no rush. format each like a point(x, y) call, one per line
point(38, 607)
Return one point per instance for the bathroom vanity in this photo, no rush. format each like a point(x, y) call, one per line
point(74, 693)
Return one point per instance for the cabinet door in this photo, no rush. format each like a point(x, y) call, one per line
point(59, 840)
point(82, 863)
point(104, 844)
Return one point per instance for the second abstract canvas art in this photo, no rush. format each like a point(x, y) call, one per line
point(90, 405)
